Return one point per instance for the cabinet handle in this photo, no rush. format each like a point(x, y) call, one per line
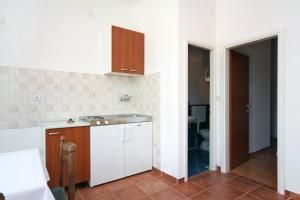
point(133, 70)
point(127, 133)
point(54, 133)
point(123, 69)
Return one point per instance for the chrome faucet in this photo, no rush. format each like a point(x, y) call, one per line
point(125, 98)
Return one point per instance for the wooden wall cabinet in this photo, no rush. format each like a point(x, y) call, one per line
point(127, 51)
point(78, 135)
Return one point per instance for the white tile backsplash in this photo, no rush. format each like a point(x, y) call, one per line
point(4, 90)
point(70, 95)
point(4, 74)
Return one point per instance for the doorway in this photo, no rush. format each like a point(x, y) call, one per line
point(253, 70)
point(198, 110)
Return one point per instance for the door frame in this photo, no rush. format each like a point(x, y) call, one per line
point(212, 118)
point(280, 34)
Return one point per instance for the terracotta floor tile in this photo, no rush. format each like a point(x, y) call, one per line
point(167, 179)
point(188, 189)
point(154, 173)
point(262, 167)
point(140, 178)
point(206, 196)
point(145, 198)
point(167, 194)
point(212, 179)
point(248, 197)
point(250, 180)
point(219, 187)
point(241, 184)
point(87, 191)
point(225, 192)
point(152, 186)
point(101, 196)
point(118, 184)
point(131, 192)
point(267, 193)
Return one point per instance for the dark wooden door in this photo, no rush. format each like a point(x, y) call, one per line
point(79, 136)
point(238, 110)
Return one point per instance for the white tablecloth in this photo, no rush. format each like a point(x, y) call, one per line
point(23, 177)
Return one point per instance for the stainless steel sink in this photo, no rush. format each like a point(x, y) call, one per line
point(103, 120)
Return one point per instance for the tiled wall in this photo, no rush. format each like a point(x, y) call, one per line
point(70, 95)
point(148, 102)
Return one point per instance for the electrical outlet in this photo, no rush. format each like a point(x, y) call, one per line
point(36, 98)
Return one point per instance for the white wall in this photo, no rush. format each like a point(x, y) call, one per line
point(68, 36)
point(197, 25)
point(59, 34)
point(159, 21)
point(19, 139)
point(238, 20)
point(259, 94)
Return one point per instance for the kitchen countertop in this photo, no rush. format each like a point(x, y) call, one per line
point(63, 124)
point(105, 120)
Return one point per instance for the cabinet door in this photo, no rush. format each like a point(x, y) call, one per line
point(52, 155)
point(137, 54)
point(81, 137)
point(138, 148)
point(127, 51)
point(121, 50)
point(107, 154)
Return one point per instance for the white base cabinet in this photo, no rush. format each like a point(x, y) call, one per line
point(138, 148)
point(118, 151)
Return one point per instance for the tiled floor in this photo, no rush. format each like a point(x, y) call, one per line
point(261, 167)
point(153, 186)
point(198, 161)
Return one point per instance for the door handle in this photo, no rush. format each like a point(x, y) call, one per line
point(127, 139)
point(127, 133)
point(123, 69)
point(133, 70)
point(53, 133)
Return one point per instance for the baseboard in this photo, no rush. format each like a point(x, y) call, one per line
point(292, 195)
point(167, 176)
point(259, 151)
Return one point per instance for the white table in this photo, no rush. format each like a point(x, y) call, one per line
point(23, 177)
